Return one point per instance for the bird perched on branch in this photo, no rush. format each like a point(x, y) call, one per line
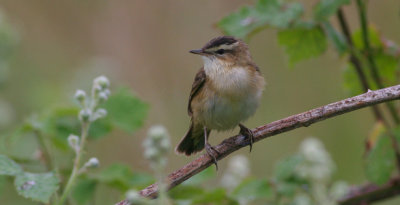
point(226, 91)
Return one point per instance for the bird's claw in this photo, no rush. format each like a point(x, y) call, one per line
point(247, 133)
point(210, 151)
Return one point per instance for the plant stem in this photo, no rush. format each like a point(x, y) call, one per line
point(75, 169)
point(358, 66)
point(45, 150)
point(355, 61)
point(368, 55)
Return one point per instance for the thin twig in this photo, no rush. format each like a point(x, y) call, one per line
point(358, 67)
point(48, 162)
point(290, 123)
point(367, 47)
point(375, 75)
point(355, 61)
point(362, 10)
point(371, 193)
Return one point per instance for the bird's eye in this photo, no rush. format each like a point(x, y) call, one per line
point(220, 51)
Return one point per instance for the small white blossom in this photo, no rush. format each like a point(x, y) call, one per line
point(92, 163)
point(80, 96)
point(102, 81)
point(103, 97)
point(73, 142)
point(318, 164)
point(339, 189)
point(100, 113)
point(96, 89)
point(157, 145)
point(85, 115)
point(302, 199)
point(238, 169)
point(134, 197)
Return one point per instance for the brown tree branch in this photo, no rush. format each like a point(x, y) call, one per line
point(304, 119)
point(370, 193)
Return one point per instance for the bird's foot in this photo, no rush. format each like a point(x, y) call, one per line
point(210, 149)
point(247, 133)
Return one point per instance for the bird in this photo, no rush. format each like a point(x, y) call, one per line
point(226, 91)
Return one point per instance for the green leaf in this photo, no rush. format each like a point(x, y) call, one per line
point(351, 81)
point(285, 170)
point(8, 166)
point(388, 66)
point(185, 192)
point(337, 39)
point(140, 180)
point(287, 188)
point(326, 8)
point(252, 189)
point(302, 42)
point(216, 196)
point(120, 176)
point(125, 110)
point(265, 13)
point(286, 179)
point(203, 176)
point(60, 122)
point(38, 187)
point(84, 190)
point(380, 161)
point(374, 38)
point(116, 175)
point(100, 128)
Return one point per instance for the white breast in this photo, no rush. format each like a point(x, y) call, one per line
point(235, 97)
point(235, 80)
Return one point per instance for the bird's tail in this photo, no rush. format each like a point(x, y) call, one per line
point(192, 142)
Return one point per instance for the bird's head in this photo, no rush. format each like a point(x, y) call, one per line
point(225, 49)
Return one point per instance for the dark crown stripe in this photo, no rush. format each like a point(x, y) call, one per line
point(227, 40)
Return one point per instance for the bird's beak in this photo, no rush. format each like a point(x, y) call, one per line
point(197, 51)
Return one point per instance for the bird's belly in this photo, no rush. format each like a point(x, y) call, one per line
point(223, 113)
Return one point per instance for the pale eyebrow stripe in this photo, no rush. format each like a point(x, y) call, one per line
point(223, 46)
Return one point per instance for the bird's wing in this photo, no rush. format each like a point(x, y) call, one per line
point(198, 83)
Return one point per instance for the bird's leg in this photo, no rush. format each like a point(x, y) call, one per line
point(247, 133)
point(209, 148)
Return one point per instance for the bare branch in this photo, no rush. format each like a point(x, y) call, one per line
point(295, 121)
point(370, 193)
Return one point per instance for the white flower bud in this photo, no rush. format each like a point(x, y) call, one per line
point(73, 142)
point(134, 197)
point(339, 189)
point(151, 153)
point(238, 169)
point(96, 90)
point(318, 164)
point(103, 97)
point(102, 81)
point(85, 115)
point(92, 163)
point(302, 199)
point(80, 96)
point(157, 145)
point(107, 92)
point(99, 113)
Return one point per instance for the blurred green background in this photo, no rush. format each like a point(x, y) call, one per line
point(63, 45)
